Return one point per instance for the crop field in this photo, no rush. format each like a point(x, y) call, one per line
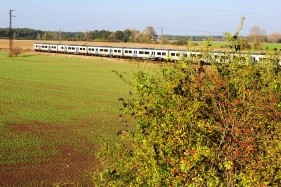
point(53, 113)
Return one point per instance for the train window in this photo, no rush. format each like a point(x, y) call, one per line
point(80, 48)
point(184, 54)
point(130, 51)
point(73, 48)
point(106, 50)
point(173, 54)
point(178, 54)
point(164, 54)
point(119, 51)
point(61, 47)
point(126, 51)
point(101, 50)
point(90, 49)
point(55, 47)
point(146, 52)
point(141, 52)
point(36, 46)
point(115, 51)
point(158, 53)
point(84, 48)
point(69, 47)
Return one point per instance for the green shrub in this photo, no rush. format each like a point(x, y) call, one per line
point(180, 42)
point(218, 126)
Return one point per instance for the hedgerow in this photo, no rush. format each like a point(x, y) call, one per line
point(200, 126)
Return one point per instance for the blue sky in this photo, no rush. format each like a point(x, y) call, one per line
point(179, 17)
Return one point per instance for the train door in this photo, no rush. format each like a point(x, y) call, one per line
point(39, 47)
point(97, 51)
point(110, 52)
point(135, 53)
point(49, 48)
point(153, 54)
point(77, 49)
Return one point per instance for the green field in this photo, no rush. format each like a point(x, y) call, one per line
point(217, 45)
point(53, 113)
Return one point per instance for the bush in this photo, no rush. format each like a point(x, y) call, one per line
point(15, 52)
point(196, 126)
point(181, 42)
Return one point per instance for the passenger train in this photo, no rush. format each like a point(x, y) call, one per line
point(140, 53)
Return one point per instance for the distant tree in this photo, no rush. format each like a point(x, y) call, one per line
point(274, 37)
point(87, 36)
point(15, 36)
point(55, 36)
point(127, 34)
point(119, 35)
point(150, 33)
point(244, 43)
point(38, 37)
point(112, 36)
point(257, 36)
point(134, 35)
point(44, 37)
point(165, 40)
point(140, 38)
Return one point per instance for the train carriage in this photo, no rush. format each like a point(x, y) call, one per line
point(45, 47)
point(103, 50)
point(62, 48)
point(148, 53)
point(117, 52)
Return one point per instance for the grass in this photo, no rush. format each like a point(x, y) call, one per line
point(54, 112)
point(217, 45)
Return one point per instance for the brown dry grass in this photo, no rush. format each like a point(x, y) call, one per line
point(28, 44)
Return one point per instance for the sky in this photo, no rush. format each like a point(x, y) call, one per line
point(175, 17)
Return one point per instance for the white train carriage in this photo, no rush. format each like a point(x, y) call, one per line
point(130, 52)
point(116, 51)
point(45, 47)
point(103, 51)
point(143, 53)
point(74, 49)
point(159, 54)
point(62, 48)
point(175, 55)
point(53, 48)
point(82, 49)
point(36, 47)
point(92, 50)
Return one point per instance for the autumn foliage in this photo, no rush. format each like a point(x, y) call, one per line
point(197, 126)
